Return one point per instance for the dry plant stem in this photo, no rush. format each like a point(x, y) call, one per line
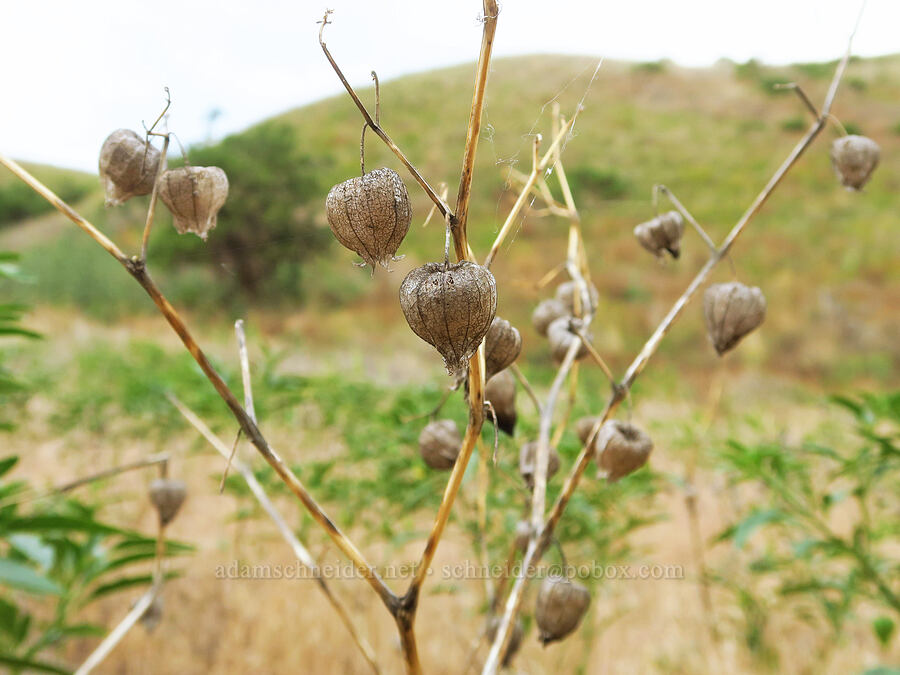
point(570, 404)
point(687, 215)
point(151, 210)
point(115, 636)
point(138, 270)
point(440, 203)
point(444, 192)
point(802, 94)
point(596, 356)
point(637, 366)
point(526, 385)
point(299, 550)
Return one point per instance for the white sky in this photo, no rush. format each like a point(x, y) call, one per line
point(74, 71)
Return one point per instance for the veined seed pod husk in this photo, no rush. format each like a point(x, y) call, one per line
point(523, 535)
point(515, 640)
point(151, 618)
point(527, 462)
point(732, 310)
point(167, 495)
point(584, 426)
point(662, 233)
point(451, 307)
point(502, 346)
point(560, 336)
point(439, 444)
point(561, 604)
point(194, 195)
point(370, 215)
point(565, 293)
point(854, 159)
point(500, 390)
point(128, 166)
point(621, 449)
point(546, 313)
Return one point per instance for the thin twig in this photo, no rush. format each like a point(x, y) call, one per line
point(151, 210)
point(687, 215)
point(596, 355)
point(115, 636)
point(802, 94)
point(526, 385)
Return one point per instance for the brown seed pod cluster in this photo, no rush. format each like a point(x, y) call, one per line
point(500, 390)
point(561, 335)
point(565, 293)
point(439, 444)
point(194, 195)
point(546, 313)
point(370, 215)
point(561, 604)
point(502, 346)
point(527, 462)
point(662, 233)
point(167, 496)
point(451, 307)
point(732, 311)
point(128, 166)
point(621, 449)
point(854, 159)
point(515, 639)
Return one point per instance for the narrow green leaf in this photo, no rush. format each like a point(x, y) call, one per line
point(17, 664)
point(17, 575)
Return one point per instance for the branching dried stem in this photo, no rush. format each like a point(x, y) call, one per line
point(536, 548)
point(299, 550)
point(662, 189)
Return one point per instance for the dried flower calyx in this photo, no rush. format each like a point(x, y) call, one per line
point(502, 346)
point(854, 159)
point(621, 449)
point(732, 311)
point(128, 166)
point(451, 307)
point(561, 604)
point(546, 313)
point(167, 496)
point(528, 462)
point(194, 195)
point(439, 444)
point(515, 640)
point(662, 233)
point(561, 334)
point(370, 215)
point(500, 390)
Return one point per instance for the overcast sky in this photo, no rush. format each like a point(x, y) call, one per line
point(74, 71)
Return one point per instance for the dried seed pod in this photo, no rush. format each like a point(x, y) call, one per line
point(561, 604)
point(500, 390)
point(560, 335)
point(546, 313)
point(515, 640)
point(128, 166)
point(194, 195)
point(854, 159)
point(584, 426)
point(527, 458)
point(167, 495)
point(152, 616)
point(662, 233)
point(451, 307)
point(439, 444)
point(621, 449)
point(523, 535)
point(370, 215)
point(732, 310)
point(565, 293)
point(502, 345)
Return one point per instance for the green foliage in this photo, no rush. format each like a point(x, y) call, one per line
point(651, 67)
point(56, 558)
point(10, 326)
point(853, 128)
point(794, 124)
point(18, 201)
point(812, 560)
point(598, 183)
point(266, 231)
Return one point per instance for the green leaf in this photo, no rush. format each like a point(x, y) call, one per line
point(7, 463)
point(17, 575)
point(28, 664)
point(125, 582)
point(884, 629)
point(33, 548)
point(61, 523)
point(753, 522)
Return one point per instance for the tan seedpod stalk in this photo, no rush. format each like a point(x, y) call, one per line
point(502, 346)
point(370, 215)
point(584, 426)
point(561, 336)
point(128, 166)
point(561, 604)
point(451, 307)
point(732, 311)
point(546, 313)
point(194, 195)
point(621, 448)
point(523, 535)
point(565, 293)
point(153, 615)
point(527, 462)
point(167, 495)
point(515, 639)
point(854, 159)
point(500, 390)
point(439, 444)
point(662, 233)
